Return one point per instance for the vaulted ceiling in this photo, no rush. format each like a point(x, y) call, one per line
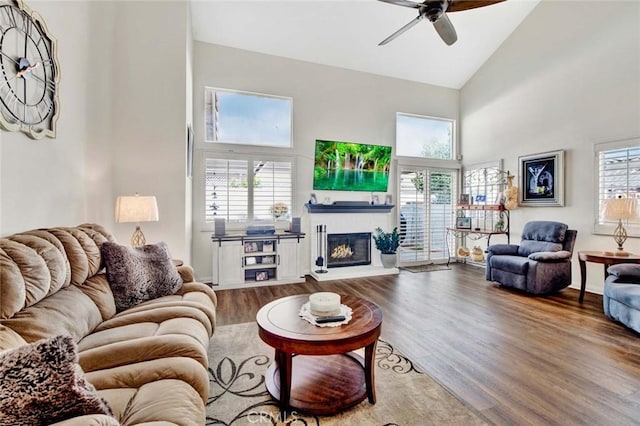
point(346, 34)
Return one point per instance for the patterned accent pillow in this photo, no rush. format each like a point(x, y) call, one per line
point(139, 274)
point(43, 383)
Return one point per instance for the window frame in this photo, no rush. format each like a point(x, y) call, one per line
point(607, 228)
point(217, 142)
point(250, 157)
point(454, 144)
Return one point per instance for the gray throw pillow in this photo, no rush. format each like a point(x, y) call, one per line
point(139, 274)
point(43, 383)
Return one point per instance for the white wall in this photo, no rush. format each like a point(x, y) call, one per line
point(328, 103)
point(43, 183)
point(150, 115)
point(567, 78)
point(122, 125)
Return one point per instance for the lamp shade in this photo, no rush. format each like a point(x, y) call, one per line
point(619, 209)
point(136, 208)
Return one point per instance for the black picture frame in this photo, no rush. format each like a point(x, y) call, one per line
point(463, 222)
point(541, 179)
point(262, 275)
point(463, 199)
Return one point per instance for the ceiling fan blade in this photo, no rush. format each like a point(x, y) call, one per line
point(458, 5)
point(404, 3)
point(445, 29)
point(401, 30)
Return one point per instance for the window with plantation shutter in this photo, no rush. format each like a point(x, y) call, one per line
point(239, 190)
point(617, 176)
point(272, 190)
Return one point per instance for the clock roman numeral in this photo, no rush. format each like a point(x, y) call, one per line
point(45, 107)
point(26, 25)
point(13, 101)
point(8, 13)
point(48, 84)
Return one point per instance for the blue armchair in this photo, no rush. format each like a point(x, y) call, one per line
point(621, 298)
point(540, 264)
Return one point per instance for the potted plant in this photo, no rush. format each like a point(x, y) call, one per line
point(387, 243)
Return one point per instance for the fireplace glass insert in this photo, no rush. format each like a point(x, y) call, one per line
point(348, 249)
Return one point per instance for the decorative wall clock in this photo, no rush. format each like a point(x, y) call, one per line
point(29, 72)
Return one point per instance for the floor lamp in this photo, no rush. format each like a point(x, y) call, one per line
point(136, 208)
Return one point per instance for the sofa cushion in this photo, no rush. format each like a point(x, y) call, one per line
point(528, 247)
point(69, 312)
point(143, 341)
point(543, 230)
point(161, 402)
point(625, 293)
point(139, 274)
point(42, 383)
point(514, 264)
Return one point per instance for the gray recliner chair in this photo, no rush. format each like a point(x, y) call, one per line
point(621, 297)
point(540, 264)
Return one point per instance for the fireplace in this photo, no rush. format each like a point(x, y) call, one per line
point(348, 249)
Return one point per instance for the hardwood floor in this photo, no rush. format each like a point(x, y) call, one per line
point(512, 358)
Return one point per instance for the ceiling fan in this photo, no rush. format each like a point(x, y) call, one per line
point(435, 12)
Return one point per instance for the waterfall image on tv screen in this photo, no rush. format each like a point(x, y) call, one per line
point(346, 166)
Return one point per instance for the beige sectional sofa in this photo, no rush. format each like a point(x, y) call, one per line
point(148, 362)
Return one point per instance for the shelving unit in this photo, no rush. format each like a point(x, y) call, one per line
point(241, 260)
point(259, 260)
point(484, 221)
point(483, 187)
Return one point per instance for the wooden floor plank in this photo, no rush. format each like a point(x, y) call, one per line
point(511, 357)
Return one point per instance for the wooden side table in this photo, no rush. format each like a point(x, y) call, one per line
point(600, 257)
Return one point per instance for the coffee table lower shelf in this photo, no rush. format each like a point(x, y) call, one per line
point(322, 385)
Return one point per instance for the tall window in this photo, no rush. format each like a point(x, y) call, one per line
point(617, 176)
point(239, 190)
point(247, 118)
point(426, 137)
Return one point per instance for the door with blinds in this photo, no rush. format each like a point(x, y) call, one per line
point(426, 208)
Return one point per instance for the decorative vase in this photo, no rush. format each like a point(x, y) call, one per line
point(388, 260)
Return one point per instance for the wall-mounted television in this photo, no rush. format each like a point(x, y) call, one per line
point(348, 166)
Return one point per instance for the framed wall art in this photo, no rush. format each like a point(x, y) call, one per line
point(541, 178)
point(463, 222)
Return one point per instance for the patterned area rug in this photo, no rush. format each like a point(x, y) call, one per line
point(238, 360)
point(426, 268)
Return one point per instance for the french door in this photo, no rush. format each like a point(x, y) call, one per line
point(426, 209)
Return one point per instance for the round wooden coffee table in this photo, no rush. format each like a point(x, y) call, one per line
point(315, 370)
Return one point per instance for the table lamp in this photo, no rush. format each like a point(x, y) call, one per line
point(619, 209)
point(136, 208)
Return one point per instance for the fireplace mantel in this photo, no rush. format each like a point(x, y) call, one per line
point(348, 208)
